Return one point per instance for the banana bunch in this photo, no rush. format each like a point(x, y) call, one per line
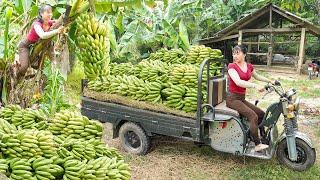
point(21, 169)
point(174, 96)
point(94, 46)
point(4, 167)
point(6, 127)
point(25, 118)
point(28, 144)
point(197, 54)
point(121, 69)
point(190, 100)
point(153, 90)
point(173, 56)
point(74, 125)
point(7, 112)
point(152, 71)
point(106, 168)
point(46, 168)
point(86, 150)
point(186, 75)
point(101, 84)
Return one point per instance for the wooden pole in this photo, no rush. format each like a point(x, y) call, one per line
point(270, 49)
point(240, 37)
point(301, 49)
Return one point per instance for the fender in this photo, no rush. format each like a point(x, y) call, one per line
point(299, 135)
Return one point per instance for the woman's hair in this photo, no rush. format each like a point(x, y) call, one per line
point(241, 47)
point(43, 8)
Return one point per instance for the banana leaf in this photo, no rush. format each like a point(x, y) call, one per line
point(172, 34)
point(112, 37)
point(183, 34)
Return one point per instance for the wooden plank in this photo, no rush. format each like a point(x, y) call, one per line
point(212, 40)
point(272, 30)
point(301, 49)
point(249, 43)
point(240, 38)
point(258, 54)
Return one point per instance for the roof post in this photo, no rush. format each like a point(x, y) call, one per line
point(240, 37)
point(301, 49)
point(270, 48)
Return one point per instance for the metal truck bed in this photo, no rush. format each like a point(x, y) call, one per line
point(152, 122)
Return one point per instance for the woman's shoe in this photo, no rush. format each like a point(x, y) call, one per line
point(260, 147)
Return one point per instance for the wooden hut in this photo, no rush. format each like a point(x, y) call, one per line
point(267, 27)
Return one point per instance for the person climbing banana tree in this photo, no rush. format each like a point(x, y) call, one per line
point(40, 29)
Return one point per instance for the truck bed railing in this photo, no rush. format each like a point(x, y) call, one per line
point(205, 65)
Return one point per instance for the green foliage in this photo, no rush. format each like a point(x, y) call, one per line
point(52, 99)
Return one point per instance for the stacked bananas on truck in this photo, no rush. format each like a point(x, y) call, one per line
point(24, 118)
point(152, 71)
point(121, 69)
point(173, 96)
point(94, 45)
point(197, 54)
point(74, 125)
point(186, 75)
point(28, 144)
point(173, 56)
point(190, 100)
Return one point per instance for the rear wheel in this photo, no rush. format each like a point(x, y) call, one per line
point(134, 139)
point(306, 155)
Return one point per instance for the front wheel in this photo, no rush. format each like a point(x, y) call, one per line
point(306, 155)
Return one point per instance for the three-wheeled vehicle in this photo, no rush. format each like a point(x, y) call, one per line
point(214, 124)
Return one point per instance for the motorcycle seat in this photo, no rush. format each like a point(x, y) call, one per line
point(223, 109)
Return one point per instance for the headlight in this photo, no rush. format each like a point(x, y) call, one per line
point(290, 107)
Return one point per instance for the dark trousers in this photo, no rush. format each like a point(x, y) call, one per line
point(24, 50)
point(253, 113)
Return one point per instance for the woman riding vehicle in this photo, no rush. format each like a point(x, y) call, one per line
point(240, 72)
point(40, 29)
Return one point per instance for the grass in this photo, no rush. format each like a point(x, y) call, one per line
point(272, 170)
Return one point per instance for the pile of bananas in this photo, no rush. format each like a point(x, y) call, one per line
point(6, 127)
point(94, 45)
point(4, 166)
point(28, 144)
point(173, 56)
point(197, 54)
point(100, 168)
point(34, 168)
point(74, 125)
point(85, 150)
point(25, 118)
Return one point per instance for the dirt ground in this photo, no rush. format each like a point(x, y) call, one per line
point(171, 158)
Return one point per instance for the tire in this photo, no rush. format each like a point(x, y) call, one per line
point(134, 139)
point(306, 155)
